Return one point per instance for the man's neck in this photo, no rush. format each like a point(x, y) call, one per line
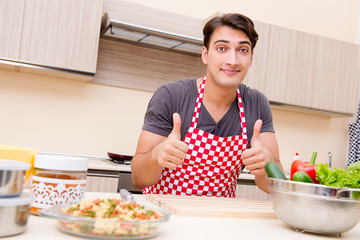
point(218, 100)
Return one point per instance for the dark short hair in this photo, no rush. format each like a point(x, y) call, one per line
point(233, 20)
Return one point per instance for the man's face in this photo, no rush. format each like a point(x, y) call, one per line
point(228, 57)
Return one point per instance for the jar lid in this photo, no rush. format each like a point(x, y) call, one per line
point(6, 164)
point(23, 199)
point(60, 162)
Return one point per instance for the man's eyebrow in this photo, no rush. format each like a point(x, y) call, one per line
point(226, 41)
point(245, 42)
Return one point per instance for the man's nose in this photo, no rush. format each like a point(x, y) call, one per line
point(232, 58)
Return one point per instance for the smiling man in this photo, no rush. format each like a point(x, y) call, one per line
point(199, 133)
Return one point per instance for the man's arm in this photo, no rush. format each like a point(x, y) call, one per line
point(155, 152)
point(264, 148)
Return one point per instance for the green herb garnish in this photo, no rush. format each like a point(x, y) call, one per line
point(89, 213)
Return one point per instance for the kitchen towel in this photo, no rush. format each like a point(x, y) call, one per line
point(354, 140)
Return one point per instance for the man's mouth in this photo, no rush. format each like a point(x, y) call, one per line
point(230, 71)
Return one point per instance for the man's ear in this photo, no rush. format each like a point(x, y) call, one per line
point(204, 55)
point(252, 55)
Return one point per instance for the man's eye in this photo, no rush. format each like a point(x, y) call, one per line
point(221, 49)
point(243, 50)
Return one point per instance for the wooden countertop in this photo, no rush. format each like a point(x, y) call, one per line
point(194, 227)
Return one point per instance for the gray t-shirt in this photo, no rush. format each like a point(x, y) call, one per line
point(181, 96)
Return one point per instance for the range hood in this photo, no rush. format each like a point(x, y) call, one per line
point(151, 37)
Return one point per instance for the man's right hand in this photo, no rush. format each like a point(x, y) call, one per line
point(172, 151)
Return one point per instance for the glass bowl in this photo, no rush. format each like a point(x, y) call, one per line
point(106, 228)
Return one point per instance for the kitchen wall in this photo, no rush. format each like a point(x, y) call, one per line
point(60, 115)
point(358, 25)
point(358, 33)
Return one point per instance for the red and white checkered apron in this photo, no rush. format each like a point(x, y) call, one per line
point(212, 163)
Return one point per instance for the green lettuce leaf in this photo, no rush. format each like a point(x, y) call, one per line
point(353, 166)
point(337, 177)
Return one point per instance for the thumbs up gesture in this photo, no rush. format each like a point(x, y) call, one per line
point(172, 151)
point(175, 133)
point(255, 140)
point(254, 158)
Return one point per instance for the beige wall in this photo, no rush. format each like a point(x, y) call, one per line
point(68, 116)
point(306, 133)
point(60, 115)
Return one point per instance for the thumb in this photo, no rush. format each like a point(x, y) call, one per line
point(256, 132)
point(175, 133)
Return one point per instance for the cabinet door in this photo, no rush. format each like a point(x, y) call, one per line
point(256, 77)
point(290, 66)
point(247, 191)
point(101, 184)
point(283, 65)
point(337, 74)
point(304, 70)
point(61, 34)
point(11, 18)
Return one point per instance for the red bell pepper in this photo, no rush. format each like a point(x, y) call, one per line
point(307, 167)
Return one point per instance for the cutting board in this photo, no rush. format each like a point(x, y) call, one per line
point(202, 206)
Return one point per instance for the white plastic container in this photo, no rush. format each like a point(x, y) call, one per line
point(57, 179)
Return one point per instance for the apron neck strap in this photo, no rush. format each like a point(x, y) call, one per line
point(199, 99)
point(198, 103)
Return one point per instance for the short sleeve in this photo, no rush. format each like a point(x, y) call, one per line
point(158, 117)
point(265, 114)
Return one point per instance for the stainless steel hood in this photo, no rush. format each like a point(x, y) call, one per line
point(150, 37)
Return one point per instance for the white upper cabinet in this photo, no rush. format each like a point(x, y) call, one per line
point(11, 18)
point(61, 33)
point(304, 70)
point(56, 34)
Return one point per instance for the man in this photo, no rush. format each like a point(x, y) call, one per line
point(195, 135)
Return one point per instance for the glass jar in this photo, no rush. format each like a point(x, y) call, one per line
point(57, 179)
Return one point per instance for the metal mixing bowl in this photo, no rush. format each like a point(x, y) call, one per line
point(12, 176)
point(14, 213)
point(313, 207)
